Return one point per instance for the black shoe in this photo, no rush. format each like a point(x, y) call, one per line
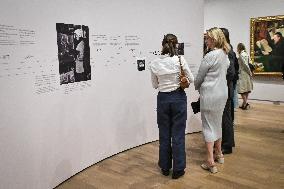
point(227, 150)
point(177, 174)
point(247, 106)
point(165, 172)
point(242, 107)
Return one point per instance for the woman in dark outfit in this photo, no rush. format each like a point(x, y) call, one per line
point(228, 115)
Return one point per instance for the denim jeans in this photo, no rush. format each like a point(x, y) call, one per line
point(171, 118)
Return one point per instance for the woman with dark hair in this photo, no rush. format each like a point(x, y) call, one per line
point(171, 106)
point(245, 84)
point(228, 141)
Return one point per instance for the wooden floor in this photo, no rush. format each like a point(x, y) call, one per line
point(256, 163)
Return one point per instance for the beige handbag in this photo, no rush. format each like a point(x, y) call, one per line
point(184, 83)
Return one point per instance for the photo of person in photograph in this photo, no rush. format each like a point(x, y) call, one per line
point(73, 53)
point(276, 56)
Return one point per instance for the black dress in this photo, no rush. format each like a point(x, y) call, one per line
point(227, 119)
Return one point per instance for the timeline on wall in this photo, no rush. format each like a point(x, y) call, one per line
point(18, 58)
point(117, 49)
point(72, 63)
point(13, 42)
point(10, 35)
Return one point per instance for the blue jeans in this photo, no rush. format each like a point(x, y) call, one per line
point(171, 118)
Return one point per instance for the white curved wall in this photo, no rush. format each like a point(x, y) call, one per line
point(235, 15)
point(46, 138)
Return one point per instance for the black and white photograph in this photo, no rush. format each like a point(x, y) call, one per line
point(141, 64)
point(73, 53)
point(180, 48)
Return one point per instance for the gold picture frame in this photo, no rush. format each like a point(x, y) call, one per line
point(262, 30)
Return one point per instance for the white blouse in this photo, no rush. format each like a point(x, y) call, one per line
point(165, 72)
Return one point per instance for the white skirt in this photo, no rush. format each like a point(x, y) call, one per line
point(211, 124)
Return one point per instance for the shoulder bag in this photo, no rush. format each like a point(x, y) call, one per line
point(184, 83)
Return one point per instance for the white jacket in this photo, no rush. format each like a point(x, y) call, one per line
point(211, 80)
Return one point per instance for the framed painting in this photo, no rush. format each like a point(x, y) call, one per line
point(267, 45)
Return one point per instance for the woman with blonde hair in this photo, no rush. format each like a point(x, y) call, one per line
point(244, 85)
point(212, 86)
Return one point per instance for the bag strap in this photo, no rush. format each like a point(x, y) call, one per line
point(181, 69)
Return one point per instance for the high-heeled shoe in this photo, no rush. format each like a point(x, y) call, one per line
point(211, 168)
point(220, 159)
point(242, 107)
point(247, 106)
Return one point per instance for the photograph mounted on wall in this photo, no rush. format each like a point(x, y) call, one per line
point(73, 53)
point(267, 45)
point(141, 64)
point(180, 48)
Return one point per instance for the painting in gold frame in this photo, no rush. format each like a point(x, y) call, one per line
point(262, 44)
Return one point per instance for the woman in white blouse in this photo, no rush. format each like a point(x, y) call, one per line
point(171, 107)
point(212, 86)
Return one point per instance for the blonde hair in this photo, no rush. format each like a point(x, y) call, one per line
point(219, 39)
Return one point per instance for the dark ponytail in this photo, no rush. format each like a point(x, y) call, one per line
point(169, 45)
